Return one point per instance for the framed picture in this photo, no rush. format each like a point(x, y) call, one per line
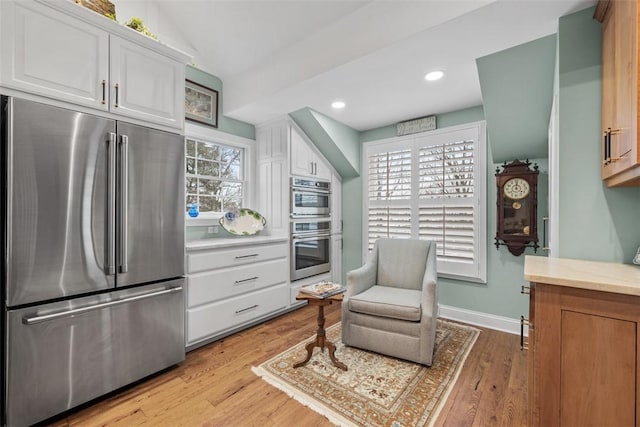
point(200, 104)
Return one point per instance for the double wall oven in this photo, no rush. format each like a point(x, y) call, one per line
point(310, 228)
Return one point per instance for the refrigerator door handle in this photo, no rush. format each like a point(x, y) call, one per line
point(32, 320)
point(110, 263)
point(124, 203)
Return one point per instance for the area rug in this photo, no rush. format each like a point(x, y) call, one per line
point(376, 390)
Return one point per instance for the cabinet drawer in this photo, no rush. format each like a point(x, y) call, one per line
point(219, 284)
point(206, 321)
point(218, 258)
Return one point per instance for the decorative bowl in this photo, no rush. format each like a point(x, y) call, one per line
point(247, 222)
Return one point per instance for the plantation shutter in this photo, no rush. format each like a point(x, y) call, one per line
point(389, 194)
point(431, 186)
point(446, 212)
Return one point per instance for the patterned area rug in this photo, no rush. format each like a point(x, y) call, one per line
point(376, 390)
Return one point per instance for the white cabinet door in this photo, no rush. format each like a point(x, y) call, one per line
point(272, 141)
point(336, 258)
point(301, 156)
point(336, 204)
point(145, 84)
point(305, 161)
point(49, 53)
point(322, 171)
point(273, 195)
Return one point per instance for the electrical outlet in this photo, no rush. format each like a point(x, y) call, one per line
point(212, 229)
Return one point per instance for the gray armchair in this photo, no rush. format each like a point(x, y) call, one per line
point(390, 305)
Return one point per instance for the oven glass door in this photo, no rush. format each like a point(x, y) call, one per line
point(311, 256)
point(305, 202)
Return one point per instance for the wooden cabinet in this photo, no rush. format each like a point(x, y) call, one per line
point(620, 141)
point(70, 54)
point(582, 351)
point(305, 160)
point(231, 288)
point(583, 340)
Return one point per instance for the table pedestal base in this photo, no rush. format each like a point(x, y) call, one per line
point(321, 340)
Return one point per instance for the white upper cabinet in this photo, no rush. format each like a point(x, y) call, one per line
point(49, 53)
point(305, 161)
point(65, 52)
point(146, 85)
point(272, 141)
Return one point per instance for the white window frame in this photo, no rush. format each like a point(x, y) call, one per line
point(476, 271)
point(209, 135)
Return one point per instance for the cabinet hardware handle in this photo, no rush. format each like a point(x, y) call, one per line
point(117, 90)
point(544, 233)
point(246, 280)
point(523, 321)
point(246, 256)
point(247, 309)
point(526, 290)
point(615, 131)
point(104, 92)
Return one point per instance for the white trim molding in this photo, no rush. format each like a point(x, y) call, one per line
point(486, 320)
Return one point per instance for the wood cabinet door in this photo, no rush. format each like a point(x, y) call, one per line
point(608, 87)
point(48, 53)
point(145, 84)
point(598, 370)
point(624, 138)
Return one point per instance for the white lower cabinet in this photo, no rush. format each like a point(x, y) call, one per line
point(211, 319)
point(232, 287)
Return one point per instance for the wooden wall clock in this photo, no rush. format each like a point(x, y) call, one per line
point(517, 206)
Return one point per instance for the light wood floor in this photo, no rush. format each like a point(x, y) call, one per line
point(214, 386)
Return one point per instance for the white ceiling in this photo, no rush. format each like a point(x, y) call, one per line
point(275, 57)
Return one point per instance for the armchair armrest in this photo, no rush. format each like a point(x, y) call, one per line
point(429, 283)
point(361, 279)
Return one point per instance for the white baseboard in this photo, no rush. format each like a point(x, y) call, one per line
point(486, 320)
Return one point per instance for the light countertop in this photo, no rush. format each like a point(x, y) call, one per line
point(592, 275)
point(232, 242)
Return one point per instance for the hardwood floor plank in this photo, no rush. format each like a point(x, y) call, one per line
point(215, 386)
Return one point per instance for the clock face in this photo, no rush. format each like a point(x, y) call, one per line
point(516, 188)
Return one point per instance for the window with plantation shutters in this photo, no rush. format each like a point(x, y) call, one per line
point(431, 186)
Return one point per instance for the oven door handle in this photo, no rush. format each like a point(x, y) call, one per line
point(306, 237)
point(310, 190)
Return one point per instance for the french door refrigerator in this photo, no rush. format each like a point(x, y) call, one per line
point(93, 249)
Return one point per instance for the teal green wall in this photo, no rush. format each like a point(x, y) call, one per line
point(517, 93)
point(444, 120)
point(596, 222)
point(505, 273)
point(225, 124)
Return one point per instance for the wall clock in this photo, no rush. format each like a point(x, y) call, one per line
point(517, 205)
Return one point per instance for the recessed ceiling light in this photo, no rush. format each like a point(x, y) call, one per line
point(433, 76)
point(338, 104)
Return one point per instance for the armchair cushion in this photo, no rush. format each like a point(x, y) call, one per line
point(402, 263)
point(402, 304)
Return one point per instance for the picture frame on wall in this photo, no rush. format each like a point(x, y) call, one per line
point(200, 104)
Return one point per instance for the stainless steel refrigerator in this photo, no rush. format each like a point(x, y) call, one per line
point(93, 245)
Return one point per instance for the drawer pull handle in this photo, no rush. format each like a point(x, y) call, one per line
point(526, 290)
point(247, 309)
point(246, 256)
point(523, 321)
point(246, 280)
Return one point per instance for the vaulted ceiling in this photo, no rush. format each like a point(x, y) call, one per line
point(276, 57)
